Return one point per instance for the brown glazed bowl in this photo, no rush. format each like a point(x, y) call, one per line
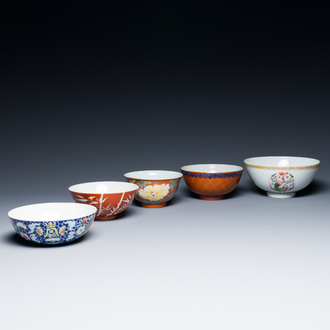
point(212, 181)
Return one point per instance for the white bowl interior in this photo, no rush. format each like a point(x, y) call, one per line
point(51, 211)
point(103, 187)
point(282, 161)
point(153, 175)
point(212, 168)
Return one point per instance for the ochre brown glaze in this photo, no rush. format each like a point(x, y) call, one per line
point(212, 188)
point(211, 198)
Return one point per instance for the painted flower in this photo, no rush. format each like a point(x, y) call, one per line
point(84, 220)
point(62, 230)
point(20, 224)
point(40, 231)
point(91, 217)
point(282, 181)
point(155, 192)
point(80, 230)
point(25, 236)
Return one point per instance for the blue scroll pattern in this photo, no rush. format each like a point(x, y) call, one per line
point(212, 175)
point(53, 232)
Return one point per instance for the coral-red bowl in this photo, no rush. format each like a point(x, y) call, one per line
point(211, 181)
point(109, 197)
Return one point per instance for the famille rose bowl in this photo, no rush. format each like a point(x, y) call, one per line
point(211, 181)
point(109, 197)
point(281, 176)
point(156, 188)
point(52, 223)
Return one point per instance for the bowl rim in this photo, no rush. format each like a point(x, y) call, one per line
point(238, 168)
point(254, 162)
point(138, 175)
point(92, 210)
point(130, 187)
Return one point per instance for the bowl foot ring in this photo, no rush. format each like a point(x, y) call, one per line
point(211, 198)
point(275, 195)
point(153, 206)
point(111, 217)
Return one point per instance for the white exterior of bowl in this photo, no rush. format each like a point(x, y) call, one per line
point(260, 170)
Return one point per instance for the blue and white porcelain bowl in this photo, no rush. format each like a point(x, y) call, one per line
point(52, 223)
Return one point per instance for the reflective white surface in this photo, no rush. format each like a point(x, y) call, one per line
point(153, 175)
point(51, 211)
point(212, 168)
point(103, 187)
point(282, 161)
point(193, 264)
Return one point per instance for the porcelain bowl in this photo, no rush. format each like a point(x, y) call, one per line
point(156, 187)
point(211, 181)
point(52, 223)
point(281, 176)
point(109, 197)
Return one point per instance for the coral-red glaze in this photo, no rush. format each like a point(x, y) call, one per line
point(108, 204)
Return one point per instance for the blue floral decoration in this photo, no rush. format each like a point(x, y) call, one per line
point(212, 175)
point(53, 232)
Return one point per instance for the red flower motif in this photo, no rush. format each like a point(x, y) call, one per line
point(25, 236)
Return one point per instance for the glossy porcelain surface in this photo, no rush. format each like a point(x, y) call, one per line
point(156, 187)
point(211, 181)
point(109, 197)
point(281, 176)
point(52, 223)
